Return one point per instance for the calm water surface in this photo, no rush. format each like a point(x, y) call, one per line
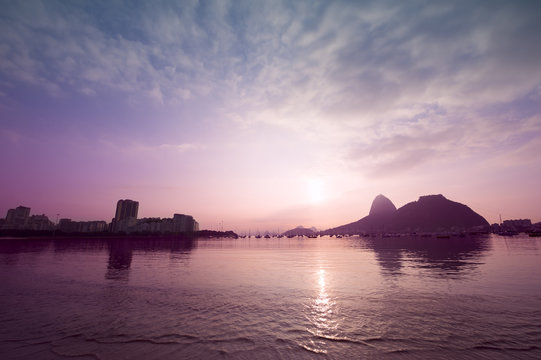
point(271, 298)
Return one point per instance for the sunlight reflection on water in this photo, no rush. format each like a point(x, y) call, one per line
point(321, 315)
point(283, 298)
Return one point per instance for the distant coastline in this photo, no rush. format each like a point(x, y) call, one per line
point(52, 234)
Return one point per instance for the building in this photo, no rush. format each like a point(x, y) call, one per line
point(20, 219)
point(68, 226)
point(125, 215)
point(184, 223)
point(17, 218)
point(125, 220)
point(519, 225)
point(179, 223)
point(39, 223)
point(126, 209)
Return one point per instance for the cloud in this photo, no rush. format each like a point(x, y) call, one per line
point(339, 57)
point(397, 153)
point(387, 81)
point(181, 147)
point(61, 47)
point(132, 148)
point(349, 71)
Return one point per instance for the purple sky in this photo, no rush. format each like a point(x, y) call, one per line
point(268, 115)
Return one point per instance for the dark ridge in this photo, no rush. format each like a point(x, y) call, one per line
point(299, 231)
point(382, 206)
point(431, 213)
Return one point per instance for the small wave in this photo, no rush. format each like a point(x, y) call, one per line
point(374, 339)
point(398, 351)
point(506, 344)
point(171, 339)
point(506, 348)
point(377, 339)
point(297, 331)
point(230, 340)
point(176, 336)
point(343, 340)
point(40, 342)
point(312, 350)
point(37, 340)
point(65, 355)
point(132, 341)
point(303, 347)
point(26, 341)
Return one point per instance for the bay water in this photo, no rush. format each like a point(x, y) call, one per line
point(476, 297)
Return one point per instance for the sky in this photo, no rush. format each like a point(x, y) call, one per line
point(265, 115)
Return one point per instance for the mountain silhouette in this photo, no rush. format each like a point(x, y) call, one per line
point(436, 213)
point(431, 213)
point(300, 230)
point(382, 206)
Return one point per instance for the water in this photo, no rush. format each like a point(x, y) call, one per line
point(474, 298)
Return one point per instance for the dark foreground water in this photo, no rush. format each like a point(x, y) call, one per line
point(269, 299)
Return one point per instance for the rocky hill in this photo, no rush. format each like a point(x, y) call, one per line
point(431, 213)
point(382, 206)
point(300, 230)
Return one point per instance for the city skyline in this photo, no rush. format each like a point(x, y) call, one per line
point(269, 115)
point(126, 220)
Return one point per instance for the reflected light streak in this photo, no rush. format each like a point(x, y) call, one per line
point(322, 308)
point(323, 299)
point(321, 315)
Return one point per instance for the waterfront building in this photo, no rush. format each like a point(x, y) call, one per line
point(184, 223)
point(180, 223)
point(68, 226)
point(518, 225)
point(20, 219)
point(125, 215)
point(17, 218)
point(126, 209)
point(39, 223)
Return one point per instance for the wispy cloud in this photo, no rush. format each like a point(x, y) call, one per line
point(394, 82)
point(136, 148)
point(181, 147)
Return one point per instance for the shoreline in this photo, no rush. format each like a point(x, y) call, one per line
point(29, 234)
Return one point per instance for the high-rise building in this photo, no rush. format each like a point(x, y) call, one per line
point(184, 223)
point(17, 218)
point(126, 215)
point(126, 209)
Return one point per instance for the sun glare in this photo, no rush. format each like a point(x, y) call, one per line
point(316, 190)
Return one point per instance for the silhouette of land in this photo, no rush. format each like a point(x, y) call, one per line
point(105, 234)
point(19, 223)
point(300, 231)
point(430, 214)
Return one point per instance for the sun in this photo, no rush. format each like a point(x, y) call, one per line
point(316, 190)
